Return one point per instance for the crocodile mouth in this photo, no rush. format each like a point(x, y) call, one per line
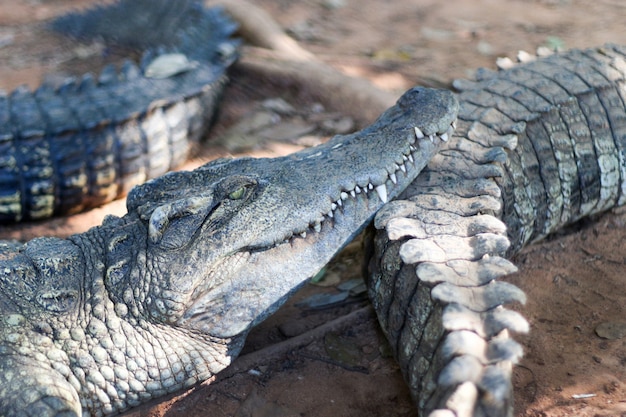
point(376, 192)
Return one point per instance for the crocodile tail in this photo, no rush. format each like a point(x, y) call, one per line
point(433, 282)
point(537, 146)
point(567, 111)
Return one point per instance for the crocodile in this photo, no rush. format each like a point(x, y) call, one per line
point(135, 123)
point(163, 297)
point(538, 146)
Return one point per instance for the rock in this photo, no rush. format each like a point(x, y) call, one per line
point(611, 330)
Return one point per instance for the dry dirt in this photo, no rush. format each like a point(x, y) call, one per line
point(574, 282)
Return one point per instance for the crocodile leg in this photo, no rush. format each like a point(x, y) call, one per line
point(538, 146)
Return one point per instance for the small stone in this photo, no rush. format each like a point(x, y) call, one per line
point(611, 330)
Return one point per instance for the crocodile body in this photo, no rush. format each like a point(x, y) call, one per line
point(538, 146)
point(132, 125)
point(163, 297)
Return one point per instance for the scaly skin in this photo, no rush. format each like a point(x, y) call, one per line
point(133, 126)
point(163, 297)
point(538, 146)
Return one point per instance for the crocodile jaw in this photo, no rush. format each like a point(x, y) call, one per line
point(263, 274)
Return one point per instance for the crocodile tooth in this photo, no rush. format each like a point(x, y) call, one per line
point(412, 148)
point(340, 203)
point(411, 158)
point(382, 192)
point(315, 155)
point(333, 206)
point(405, 158)
point(444, 137)
point(393, 178)
point(353, 194)
point(418, 133)
point(432, 138)
point(317, 227)
point(403, 168)
point(370, 186)
point(330, 215)
point(453, 124)
point(357, 189)
point(344, 195)
point(303, 235)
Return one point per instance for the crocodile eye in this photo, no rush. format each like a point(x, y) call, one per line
point(237, 194)
point(236, 187)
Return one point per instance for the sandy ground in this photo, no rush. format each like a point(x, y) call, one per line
point(575, 282)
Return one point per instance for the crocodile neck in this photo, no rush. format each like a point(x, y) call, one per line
point(127, 358)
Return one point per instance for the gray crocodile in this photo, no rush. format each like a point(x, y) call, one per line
point(136, 123)
point(538, 146)
point(162, 298)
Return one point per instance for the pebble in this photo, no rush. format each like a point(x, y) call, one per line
point(611, 330)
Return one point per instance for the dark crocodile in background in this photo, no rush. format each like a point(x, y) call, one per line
point(538, 146)
point(132, 126)
point(163, 298)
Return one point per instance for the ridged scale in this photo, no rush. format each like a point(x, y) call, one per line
point(537, 146)
point(571, 153)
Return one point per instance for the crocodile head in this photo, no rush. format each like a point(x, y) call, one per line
point(235, 237)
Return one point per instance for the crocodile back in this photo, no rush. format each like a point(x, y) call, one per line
point(568, 113)
point(184, 25)
point(76, 146)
